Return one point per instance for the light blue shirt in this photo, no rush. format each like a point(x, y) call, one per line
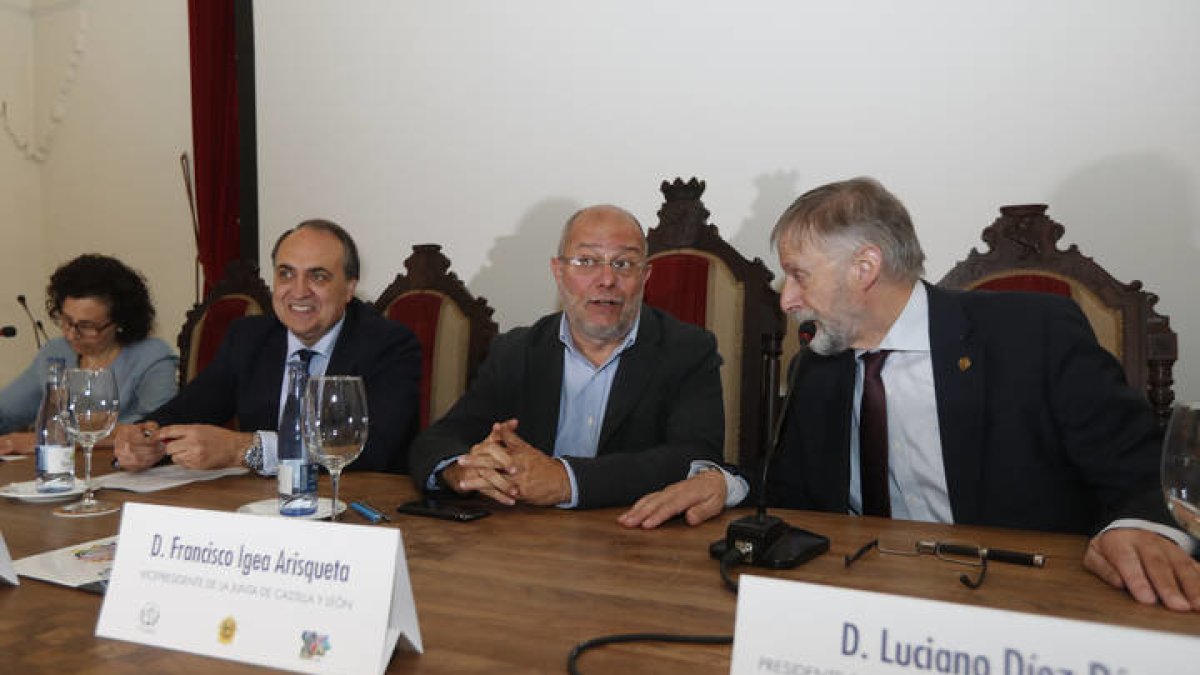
point(323, 350)
point(147, 373)
point(583, 400)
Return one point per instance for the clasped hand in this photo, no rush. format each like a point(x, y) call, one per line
point(505, 468)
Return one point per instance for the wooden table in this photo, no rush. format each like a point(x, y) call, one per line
point(515, 591)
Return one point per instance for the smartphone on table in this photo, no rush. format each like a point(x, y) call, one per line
point(434, 507)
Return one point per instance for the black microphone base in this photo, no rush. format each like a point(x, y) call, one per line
point(773, 544)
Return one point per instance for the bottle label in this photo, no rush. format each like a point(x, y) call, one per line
point(297, 478)
point(55, 459)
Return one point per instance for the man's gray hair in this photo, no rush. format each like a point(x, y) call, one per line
point(852, 213)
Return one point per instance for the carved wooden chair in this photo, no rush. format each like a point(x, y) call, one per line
point(454, 327)
point(698, 277)
point(240, 292)
point(1023, 255)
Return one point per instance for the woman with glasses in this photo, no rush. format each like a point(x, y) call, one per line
point(104, 311)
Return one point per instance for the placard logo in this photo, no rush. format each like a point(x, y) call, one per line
point(315, 645)
point(227, 630)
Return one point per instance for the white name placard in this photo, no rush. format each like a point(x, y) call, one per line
point(797, 628)
point(295, 594)
point(7, 573)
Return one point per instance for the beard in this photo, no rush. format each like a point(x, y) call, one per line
point(833, 335)
point(575, 309)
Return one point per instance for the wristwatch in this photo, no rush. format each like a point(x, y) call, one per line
point(252, 458)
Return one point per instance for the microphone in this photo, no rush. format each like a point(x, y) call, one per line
point(763, 540)
point(37, 325)
point(8, 331)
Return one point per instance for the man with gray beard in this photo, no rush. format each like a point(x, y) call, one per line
point(973, 407)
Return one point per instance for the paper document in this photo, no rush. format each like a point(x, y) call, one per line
point(161, 478)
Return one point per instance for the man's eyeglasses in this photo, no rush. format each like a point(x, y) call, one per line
point(87, 329)
point(588, 265)
point(958, 553)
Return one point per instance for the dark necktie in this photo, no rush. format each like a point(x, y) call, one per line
point(873, 438)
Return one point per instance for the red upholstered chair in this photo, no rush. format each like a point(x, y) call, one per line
point(240, 292)
point(1023, 255)
point(454, 327)
point(700, 278)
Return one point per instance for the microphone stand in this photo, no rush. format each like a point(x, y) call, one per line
point(37, 325)
point(763, 540)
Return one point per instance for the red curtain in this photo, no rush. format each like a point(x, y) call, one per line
point(214, 134)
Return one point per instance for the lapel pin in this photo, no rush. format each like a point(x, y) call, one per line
point(964, 363)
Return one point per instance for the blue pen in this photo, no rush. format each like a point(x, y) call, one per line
point(368, 512)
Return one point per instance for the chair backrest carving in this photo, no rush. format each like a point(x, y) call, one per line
point(700, 278)
point(454, 327)
point(1023, 254)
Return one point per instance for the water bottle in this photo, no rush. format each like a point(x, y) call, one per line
point(55, 448)
point(297, 474)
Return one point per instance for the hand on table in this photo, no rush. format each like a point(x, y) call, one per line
point(1151, 567)
point(136, 447)
point(18, 443)
point(699, 498)
point(204, 446)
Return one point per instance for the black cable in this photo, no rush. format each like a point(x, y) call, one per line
point(582, 647)
point(728, 561)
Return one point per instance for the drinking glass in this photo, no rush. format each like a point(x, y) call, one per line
point(335, 424)
point(92, 407)
point(1181, 466)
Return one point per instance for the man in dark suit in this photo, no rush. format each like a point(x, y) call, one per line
point(316, 271)
point(998, 408)
point(593, 406)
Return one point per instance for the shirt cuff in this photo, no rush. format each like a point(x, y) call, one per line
point(431, 483)
point(574, 500)
point(270, 447)
point(1176, 535)
point(736, 487)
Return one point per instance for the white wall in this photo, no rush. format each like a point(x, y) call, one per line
point(20, 230)
point(111, 180)
point(482, 125)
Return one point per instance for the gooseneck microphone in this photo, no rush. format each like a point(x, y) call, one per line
point(8, 331)
point(763, 540)
point(37, 325)
point(805, 333)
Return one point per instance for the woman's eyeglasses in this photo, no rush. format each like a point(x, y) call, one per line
point(87, 329)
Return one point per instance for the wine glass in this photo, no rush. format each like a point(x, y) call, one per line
point(335, 424)
point(1181, 466)
point(92, 407)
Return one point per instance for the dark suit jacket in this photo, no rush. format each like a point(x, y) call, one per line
point(1038, 427)
point(246, 376)
point(664, 409)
